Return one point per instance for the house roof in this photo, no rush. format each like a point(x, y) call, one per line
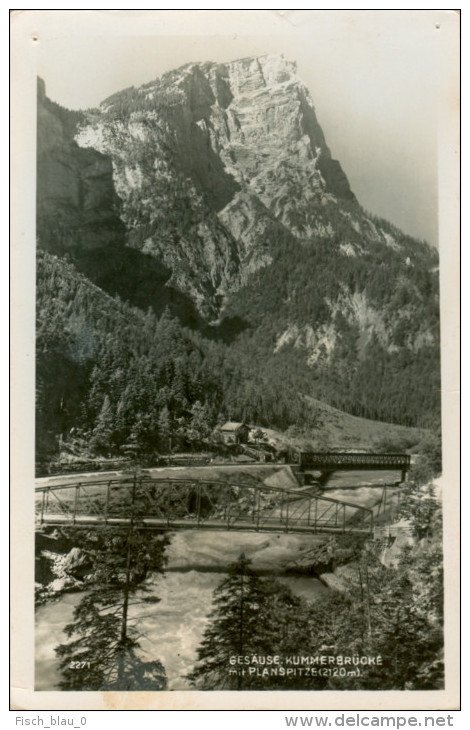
point(233, 426)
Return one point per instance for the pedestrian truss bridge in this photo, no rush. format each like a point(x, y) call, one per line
point(183, 504)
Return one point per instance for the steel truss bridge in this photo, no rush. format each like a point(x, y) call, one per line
point(329, 462)
point(182, 504)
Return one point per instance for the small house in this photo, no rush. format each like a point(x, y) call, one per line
point(235, 433)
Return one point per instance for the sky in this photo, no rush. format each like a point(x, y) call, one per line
point(378, 80)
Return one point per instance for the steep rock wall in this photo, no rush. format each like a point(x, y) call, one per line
point(76, 201)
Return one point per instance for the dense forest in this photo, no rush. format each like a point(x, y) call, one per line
point(124, 376)
point(381, 377)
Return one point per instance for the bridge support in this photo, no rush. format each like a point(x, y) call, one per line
point(325, 477)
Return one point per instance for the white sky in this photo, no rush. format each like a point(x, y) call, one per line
point(377, 79)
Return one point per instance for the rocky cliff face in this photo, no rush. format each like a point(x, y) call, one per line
point(218, 180)
point(76, 202)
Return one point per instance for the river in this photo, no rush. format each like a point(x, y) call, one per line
point(173, 628)
point(197, 561)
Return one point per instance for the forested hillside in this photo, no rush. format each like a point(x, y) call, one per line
point(114, 375)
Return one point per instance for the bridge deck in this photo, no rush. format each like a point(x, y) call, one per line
point(150, 523)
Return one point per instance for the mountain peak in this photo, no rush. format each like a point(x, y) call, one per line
point(213, 188)
point(213, 164)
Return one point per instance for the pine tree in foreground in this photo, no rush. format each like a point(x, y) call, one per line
point(252, 617)
point(103, 651)
point(233, 630)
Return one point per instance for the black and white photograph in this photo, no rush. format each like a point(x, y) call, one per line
point(240, 236)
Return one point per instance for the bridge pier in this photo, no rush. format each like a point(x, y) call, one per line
point(307, 478)
point(325, 477)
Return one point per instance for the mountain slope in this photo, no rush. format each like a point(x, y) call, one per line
point(217, 165)
point(212, 192)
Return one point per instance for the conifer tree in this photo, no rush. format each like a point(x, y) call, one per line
point(235, 629)
point(252, 617)
point(103, 432)
point(103, 648)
